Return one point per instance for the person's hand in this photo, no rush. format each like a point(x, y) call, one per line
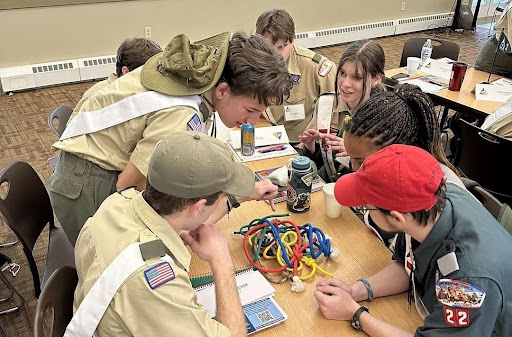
point(334, 301)
point(208, 242)
point(309, 137)
point(263, 190)
point(334, 282)
point(336, 143)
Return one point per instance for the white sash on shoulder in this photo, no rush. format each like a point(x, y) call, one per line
point(128, 108)
point(93, 307)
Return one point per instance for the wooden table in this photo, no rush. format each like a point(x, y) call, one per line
point(361, 255)
point(464, 100)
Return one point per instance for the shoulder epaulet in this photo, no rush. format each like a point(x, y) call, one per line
point(150, 245)
point(317, 58)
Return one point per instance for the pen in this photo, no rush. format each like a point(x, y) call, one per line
point(272, 148)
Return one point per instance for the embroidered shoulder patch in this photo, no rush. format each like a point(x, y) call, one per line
point(194, 123)
point(325, 68)
point(459, 294)
point(159, 275)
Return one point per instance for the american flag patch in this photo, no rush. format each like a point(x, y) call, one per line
point(159, 274)
point(194, 123)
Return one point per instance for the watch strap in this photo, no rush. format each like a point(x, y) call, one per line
point(354, 321)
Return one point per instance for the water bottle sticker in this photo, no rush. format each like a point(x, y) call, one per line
point(307, 179)
point(291, 194)
point(303, 201)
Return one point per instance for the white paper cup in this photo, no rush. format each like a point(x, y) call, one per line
point(332, 207)
point(412, 64)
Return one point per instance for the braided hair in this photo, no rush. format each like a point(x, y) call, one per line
point(405, 116)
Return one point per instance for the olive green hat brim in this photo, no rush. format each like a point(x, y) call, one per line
point(170, 84)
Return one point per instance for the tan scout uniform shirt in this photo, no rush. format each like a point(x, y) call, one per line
point(133, 140)
point(502, 127)
point(136, 310)
point(92, 90)
point(312, 77)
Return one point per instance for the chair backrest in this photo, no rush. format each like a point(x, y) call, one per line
point(60, 116)
point(389, 83)
point(440, 48)
point(482, 156)
point(505, 218)
point(58, 297)
point(489, 201)
point(25, 208)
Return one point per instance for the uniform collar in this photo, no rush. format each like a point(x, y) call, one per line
point(428, 249)
point(343, 106)
point(111, 78)
point(292, 63)
point(163, 230)
point(207, 99)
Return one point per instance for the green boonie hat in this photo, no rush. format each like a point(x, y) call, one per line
point(185, 68)
point(191, 164)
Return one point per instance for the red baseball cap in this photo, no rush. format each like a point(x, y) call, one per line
point(399, 177)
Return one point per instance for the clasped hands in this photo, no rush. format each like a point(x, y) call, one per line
point(309, 137)
point(334, 298)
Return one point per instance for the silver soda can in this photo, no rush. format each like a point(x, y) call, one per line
point(247, 139)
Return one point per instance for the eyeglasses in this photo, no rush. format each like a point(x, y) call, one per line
point(362, 209)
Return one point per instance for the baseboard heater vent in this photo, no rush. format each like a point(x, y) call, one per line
point(86, 69)
point(32, 76)
point(408, 25)
point(326, 37)
point(97, 67)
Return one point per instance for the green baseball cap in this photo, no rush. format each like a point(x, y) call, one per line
point(191, 164)
point(186, 68)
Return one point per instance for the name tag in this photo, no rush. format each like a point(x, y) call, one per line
point(294, 112)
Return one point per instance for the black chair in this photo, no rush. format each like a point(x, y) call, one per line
point(489, 201)
point(389, 83)
point(60, 117)
point(26, 209)
point(500, 211)
point(482, 156)
point(440, 48)
point(56, 299)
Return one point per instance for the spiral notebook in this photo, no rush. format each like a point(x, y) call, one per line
point(256, 295)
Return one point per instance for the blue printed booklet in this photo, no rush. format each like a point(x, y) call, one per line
point(263, 314)
point(256, 295)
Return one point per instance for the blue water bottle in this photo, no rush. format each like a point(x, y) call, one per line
point(300, 179)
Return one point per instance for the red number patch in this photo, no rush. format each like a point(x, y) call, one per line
point(456, 317)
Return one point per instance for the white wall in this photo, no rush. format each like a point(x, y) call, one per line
point(45, 34)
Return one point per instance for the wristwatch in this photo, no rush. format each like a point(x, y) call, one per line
point(232, 200)
point(354, 321)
